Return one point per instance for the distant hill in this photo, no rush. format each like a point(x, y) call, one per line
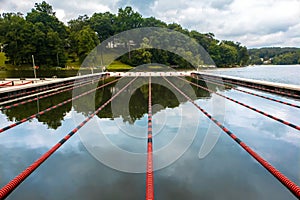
point(275, 55)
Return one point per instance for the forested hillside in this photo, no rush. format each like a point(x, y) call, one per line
point(54, 43)
point(275, 55)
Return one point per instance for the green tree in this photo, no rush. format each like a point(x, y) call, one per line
point(140, 56)
point(44, 8)
point(49, 37)
point(128, 19)
point(1, 30)
point(205, 40)
point(229, 55)
point(243, 56)
point(278, 55)
point(76, 25)
point(87, 40)
point(290, 58)
point(255, 60)
point(153, 22)
point(12, 29)
point(103, 24)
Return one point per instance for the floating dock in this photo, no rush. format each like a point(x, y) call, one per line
point(30, 85)
point(266, 86)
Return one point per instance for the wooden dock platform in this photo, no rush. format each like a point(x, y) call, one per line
point(32, 84)
point(284, 89)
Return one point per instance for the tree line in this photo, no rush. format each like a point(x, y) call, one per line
point(40, 33)
point(275, 55)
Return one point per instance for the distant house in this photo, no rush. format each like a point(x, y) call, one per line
point(269, 61)
point(116, 43)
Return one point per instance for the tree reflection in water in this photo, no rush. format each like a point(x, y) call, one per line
point(162, 96)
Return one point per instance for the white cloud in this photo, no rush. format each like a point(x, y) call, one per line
point(14, 6)
point(254, 23)
point(249, 18)
point(60, 14)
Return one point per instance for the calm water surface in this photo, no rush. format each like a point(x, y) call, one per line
point(289, 74)
point(227, 172)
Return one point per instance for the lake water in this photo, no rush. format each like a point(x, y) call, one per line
point(289, 74)
point(226, 172)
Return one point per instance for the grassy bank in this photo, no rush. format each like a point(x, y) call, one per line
point(70, 65)
point(2, 59)
point(118, 66)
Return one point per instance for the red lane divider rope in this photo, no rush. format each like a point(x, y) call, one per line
point(44, 96)
point(149, 173)
point(13, 85)
point(36, 90)
point(13, 184)
point(33, 91)
point(4, 84)
point(249, 107)
point(69, 85)
point(23, 83)
point(216, 82)
point(294, 188)
point(260, 88)
point(53, 107)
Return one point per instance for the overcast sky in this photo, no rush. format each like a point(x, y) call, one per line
point(254, 23)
